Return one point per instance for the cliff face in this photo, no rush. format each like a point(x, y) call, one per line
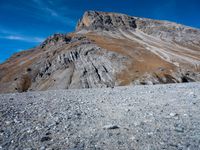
point(105, 21)
point(106, 50)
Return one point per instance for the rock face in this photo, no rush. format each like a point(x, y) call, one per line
point(106, 21)
point(106, 50)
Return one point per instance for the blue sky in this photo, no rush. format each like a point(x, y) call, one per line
point(26, 23)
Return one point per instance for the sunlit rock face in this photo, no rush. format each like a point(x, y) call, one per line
point(107, 50)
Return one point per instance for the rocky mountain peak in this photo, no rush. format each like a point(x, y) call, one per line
point(93, 20)
point(107, 21)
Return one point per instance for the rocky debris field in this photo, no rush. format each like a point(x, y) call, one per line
point(139, 117)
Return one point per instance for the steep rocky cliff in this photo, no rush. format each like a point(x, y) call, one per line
point(107, 50)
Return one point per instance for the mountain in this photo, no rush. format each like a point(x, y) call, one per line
point(107, 50)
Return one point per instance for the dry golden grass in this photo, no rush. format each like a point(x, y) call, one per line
point(140, 61)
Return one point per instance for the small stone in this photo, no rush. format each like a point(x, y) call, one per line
point(7, 122)
point(132, 138)
point(37, 128)
point(42, 148)
point(167, 104)
point(78, 114)
point(179, 129)
point(16, 121)
point(173, 114)
point(1, 131)
point(173, 145)
point(111, 127)
point(119, 142)
point(27, 149)
point(48, 133)
point(150, 133)
point(45, 138)
point(29, 131)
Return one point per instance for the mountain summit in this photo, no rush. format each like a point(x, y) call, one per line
point(107, 21)
point(107, 50)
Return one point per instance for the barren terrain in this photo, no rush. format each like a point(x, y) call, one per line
point(131, 117)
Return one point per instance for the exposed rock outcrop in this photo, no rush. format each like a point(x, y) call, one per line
point(106, 50)
point(93, 20)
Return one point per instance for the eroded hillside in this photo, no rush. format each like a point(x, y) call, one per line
point(106, 50)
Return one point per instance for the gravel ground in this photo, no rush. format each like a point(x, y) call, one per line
point(140, 118)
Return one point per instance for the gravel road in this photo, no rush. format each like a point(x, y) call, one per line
point(139, 118)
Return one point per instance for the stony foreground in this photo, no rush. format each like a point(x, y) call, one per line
point(140, 117)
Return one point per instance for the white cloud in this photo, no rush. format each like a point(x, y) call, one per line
point(5, 31)
point(56, 15)
point(51, 12)
point(45, 8)
point(23, 38)
point(13, 37)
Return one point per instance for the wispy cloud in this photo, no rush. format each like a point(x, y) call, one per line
point(23, 38)
point(45, 8)
point(5, 31)
point(54, 14)
point(18, 36)
point(13, 37)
